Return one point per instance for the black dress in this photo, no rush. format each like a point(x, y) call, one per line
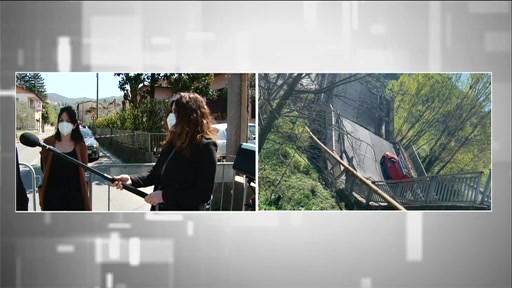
point(63, 189)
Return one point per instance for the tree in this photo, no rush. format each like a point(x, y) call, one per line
point(49, 114)
point(252, 86)
point(275, 111)
point(153, 80)
point(293, 170)
point(191, 82)
point(446, 117)
point(130, 85)
point(38, 86)
point(24, 116)
point(416, 92)
point(33, 82)
point(23, 79)
point(135, 89)
point(277, 90)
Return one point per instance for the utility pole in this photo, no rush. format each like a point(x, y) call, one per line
point(244, 109)
point(82, 105)
point(238, 115)
point(97, 97)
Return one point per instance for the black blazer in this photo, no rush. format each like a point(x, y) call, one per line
point(187, 182)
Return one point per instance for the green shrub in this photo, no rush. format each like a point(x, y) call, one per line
point(287, 180)
point(147, 116)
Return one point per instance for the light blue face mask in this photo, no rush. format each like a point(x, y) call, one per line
point(171, 120)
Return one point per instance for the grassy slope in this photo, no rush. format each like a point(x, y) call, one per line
point(285, 172)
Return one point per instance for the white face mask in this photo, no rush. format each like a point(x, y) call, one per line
point(171, 120)
point(65, 128)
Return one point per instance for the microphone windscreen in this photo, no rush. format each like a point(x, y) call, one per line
point(29, 139)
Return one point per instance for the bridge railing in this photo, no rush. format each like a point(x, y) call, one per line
point(416, 162)
point(486, 196)
point(450, 188)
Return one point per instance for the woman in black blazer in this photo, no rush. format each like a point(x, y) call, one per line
point(184, 173)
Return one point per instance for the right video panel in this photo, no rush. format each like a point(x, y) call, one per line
point(374, 141)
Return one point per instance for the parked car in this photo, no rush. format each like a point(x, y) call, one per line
point(391, 168)
point(93, 148)
point(222, 135)
point(252, 133)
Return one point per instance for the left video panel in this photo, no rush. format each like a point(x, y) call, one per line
point(135, 142)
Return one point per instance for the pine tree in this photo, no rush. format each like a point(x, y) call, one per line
point(34, 82)
point(38, 86)
point(23, 79)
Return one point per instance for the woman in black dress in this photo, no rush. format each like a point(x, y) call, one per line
point(64, 186)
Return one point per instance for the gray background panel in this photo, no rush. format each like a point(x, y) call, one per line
point(281, 249)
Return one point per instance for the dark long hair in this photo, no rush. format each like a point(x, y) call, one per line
point(193, 122)
point(76, 135)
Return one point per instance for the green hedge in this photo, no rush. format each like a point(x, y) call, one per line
point(147, 116)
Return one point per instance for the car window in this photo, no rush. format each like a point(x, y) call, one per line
point(86, 133)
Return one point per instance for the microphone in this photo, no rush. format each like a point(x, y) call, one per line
point(30, 140)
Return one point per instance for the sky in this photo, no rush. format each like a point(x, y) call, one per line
point(81, 84)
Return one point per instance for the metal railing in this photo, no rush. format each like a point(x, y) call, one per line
point(416, 162)
point(463, 188)
point(460, 188)
point(225, 175)
point(34, 184)
point(486, 196)
point(156, 141)
point(145, 141)
point(134, 139)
